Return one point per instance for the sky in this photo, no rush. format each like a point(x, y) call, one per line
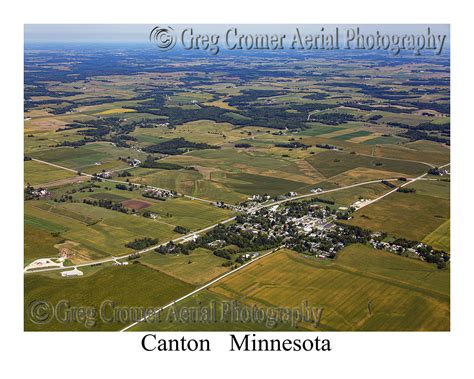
point(136, 33)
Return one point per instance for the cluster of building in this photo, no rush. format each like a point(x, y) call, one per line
point(313, 231)
point(221, 204)
point(158, 193)
point(134, 162)
point(438, 171)
point(361, 203)
point(35, 193)
point(260, 198)
point(419, 249)
point(104, 175)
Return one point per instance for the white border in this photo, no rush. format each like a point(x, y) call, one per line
point(368, 355)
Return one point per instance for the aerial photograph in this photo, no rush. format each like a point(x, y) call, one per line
point(236, 178)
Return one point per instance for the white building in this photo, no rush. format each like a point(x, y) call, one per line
point(73, 272)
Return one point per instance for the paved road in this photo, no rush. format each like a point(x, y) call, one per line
point(395, 189)
point(180, 239)
point(272, 251)
point(201, 288)
point(124, 182)
point(140, 252)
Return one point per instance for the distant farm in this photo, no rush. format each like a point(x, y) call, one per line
point(150, 181)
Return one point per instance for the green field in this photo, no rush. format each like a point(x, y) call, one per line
point(384, 140)
point(250, 184)
point(407, 215)
point(39, 173)
point(197, 268)
point(349, 196)
point(235, 129)
point(331, 163)
point(359, 133)
point(38, 243)
point(98, 231)
point(86, 156)
point(440, 238)
point(364, 289)
point(134, 285)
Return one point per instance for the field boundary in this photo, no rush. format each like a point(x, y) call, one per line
point(202, 288)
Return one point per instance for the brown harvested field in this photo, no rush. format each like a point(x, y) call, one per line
point(135, 204)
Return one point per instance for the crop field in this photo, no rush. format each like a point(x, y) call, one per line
point(217, 304)
point(423, 151)
point(435, 188)
point(197, 268)
point(135, 204)
point(227, 176)
point(124, 286)
point(196, 131)
point(85, 156)
point(349, 196)
point(188, 182)
point(364, 289)
point(99, 232)
point(383, 140)
point(38, 243)
point(333, 163)
point(348, 136)
point(407, 215)
point(223, 141)
point(39, 173)
point(440, 237)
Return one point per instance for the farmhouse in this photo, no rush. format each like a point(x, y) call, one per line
point(135, 162)
point(104, 175)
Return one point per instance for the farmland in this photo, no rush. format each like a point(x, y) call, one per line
point(412, 215)
point(363, 289)
point(124, 286)
point(149, 177)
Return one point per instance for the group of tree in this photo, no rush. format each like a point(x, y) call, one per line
point(177, 146)
point(107, 204)
point(141, 243)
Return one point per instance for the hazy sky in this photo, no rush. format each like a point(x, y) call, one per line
point(140, 32)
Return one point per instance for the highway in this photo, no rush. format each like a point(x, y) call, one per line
point(395, 189)
point(124, 182)
point(202, 288)
point(180, 239)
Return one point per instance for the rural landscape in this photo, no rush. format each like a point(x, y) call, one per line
point(180, 180)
